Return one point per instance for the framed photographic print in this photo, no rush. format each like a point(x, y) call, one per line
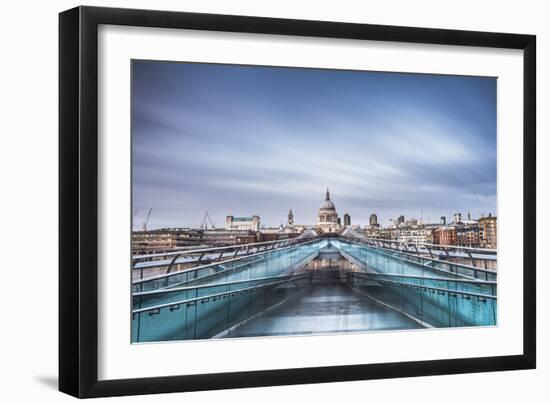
point(250, 201)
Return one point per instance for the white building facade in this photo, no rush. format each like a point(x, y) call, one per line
point(242, 223)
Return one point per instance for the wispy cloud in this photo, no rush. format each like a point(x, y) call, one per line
point(256, 140)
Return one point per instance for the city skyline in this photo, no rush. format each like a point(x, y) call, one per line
point(244, 140)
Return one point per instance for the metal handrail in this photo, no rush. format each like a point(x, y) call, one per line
point(473, 268)
point(208, 297)
point(450, 291)
point(442, 246)
point(247, 248)
point(186, 288)
point(201, 267)
point(209, 249)
point(424, 265)
point(429, 278)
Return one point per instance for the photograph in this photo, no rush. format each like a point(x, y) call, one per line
point(276, 201)
point(269, 202)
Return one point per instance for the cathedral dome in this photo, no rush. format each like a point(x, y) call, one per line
point(327, 213)
point(328, 204)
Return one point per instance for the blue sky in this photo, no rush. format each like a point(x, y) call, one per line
point(246, 140)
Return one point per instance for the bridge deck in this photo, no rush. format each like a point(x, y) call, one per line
point(325, 308)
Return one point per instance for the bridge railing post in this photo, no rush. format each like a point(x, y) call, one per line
point(169, 269)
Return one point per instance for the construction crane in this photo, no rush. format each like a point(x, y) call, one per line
point(147, 220)
point(204, 224)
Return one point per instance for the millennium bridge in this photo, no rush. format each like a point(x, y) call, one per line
point(311, 285)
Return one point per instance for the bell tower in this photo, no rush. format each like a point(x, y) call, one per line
point(290, 218)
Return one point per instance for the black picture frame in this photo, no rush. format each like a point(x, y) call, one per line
point(78, 200)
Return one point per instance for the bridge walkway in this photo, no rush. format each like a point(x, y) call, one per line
point(316, 286)
point(324, 308)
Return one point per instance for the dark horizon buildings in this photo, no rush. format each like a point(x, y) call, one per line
point(481, 233)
